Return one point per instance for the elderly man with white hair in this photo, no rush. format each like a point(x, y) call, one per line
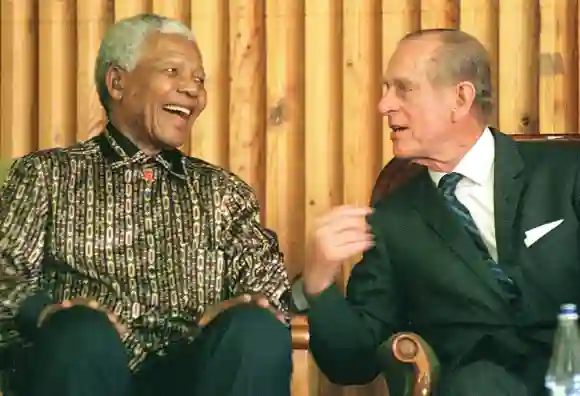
point(128, 267)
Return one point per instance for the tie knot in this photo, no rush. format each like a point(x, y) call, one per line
point(448, 183)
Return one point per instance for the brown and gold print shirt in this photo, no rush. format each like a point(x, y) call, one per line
point(155, 240)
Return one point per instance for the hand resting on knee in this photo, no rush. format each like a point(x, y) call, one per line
point(80, 301)
point(212, 312)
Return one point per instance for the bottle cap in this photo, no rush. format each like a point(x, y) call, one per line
point(568, 309)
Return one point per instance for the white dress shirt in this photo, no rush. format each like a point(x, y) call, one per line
point(475, 190)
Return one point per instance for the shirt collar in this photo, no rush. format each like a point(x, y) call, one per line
point(123, 152)
point(477, 164)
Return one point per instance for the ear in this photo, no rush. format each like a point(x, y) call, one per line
point(464, 98)
point(115, 80)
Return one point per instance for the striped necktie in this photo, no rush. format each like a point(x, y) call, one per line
point(447, 186)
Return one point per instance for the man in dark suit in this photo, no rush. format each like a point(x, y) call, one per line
point(475, 254)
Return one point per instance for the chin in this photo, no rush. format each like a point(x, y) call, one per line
point(400, 152)
point(175, 139)
point(406, 151)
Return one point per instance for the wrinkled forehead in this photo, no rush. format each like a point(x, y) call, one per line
point(412, 61)
point(159, 46)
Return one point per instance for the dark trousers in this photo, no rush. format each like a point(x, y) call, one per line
point(491, 369)
point(244, 351)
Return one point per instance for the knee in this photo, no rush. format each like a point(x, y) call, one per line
point(80, 331)
point(75, 348)
point(257, 331)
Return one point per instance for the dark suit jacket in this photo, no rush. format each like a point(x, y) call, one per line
point(425, 275)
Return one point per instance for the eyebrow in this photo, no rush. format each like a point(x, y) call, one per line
point(399, 81)
point(174, 60)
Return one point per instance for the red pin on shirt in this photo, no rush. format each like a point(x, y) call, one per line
point(148, 175)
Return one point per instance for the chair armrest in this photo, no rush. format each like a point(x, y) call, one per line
point(300, 335)
point(409, 365)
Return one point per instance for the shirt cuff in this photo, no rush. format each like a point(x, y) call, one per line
point(299, 296)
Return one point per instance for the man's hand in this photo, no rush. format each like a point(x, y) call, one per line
point(80, 301)
point(339, 235)
point(212, 312)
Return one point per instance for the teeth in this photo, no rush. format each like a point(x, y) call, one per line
point(180, 109)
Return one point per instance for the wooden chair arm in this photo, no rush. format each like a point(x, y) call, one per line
point(300, 335)
point(409, 365)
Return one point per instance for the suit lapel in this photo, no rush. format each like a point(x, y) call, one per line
point(508, 185)
point(434, 211)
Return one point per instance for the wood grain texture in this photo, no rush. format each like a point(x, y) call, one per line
point(558, 66)
point(285, 126)
point(292, 92)
point(92, 20)
point(56, 73)
point(480, 19)
point(18, 78)
point(518, 66)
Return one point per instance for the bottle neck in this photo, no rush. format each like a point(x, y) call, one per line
point(568, 317)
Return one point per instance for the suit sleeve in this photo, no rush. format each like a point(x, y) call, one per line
point(23, 220)
point(346, 332)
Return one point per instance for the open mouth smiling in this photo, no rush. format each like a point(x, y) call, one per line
point(181, 111)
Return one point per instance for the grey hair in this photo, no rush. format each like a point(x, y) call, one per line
point(121, 44)
point(461, 57)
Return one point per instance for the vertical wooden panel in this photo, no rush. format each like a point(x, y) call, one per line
point(480, 18)
point(518, 80)
point(56, 73)
point(399, 18)
point(323, 101)
point(323, 122)
point(209, 22)
point(362, 81)
point(176, 9)
point(92, 20)
point(18, 61)
point(439, 14)
point(558, 66)
point(128, 8)
point(285, 128)
point(248, 96)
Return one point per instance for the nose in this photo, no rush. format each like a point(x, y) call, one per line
point(388, 102)
point(190, 88)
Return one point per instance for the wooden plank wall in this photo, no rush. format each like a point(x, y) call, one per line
point(293, 88)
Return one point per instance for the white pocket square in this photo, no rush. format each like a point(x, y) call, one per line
point(533, 235)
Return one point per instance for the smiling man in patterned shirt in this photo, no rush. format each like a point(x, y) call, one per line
point(113, 250)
